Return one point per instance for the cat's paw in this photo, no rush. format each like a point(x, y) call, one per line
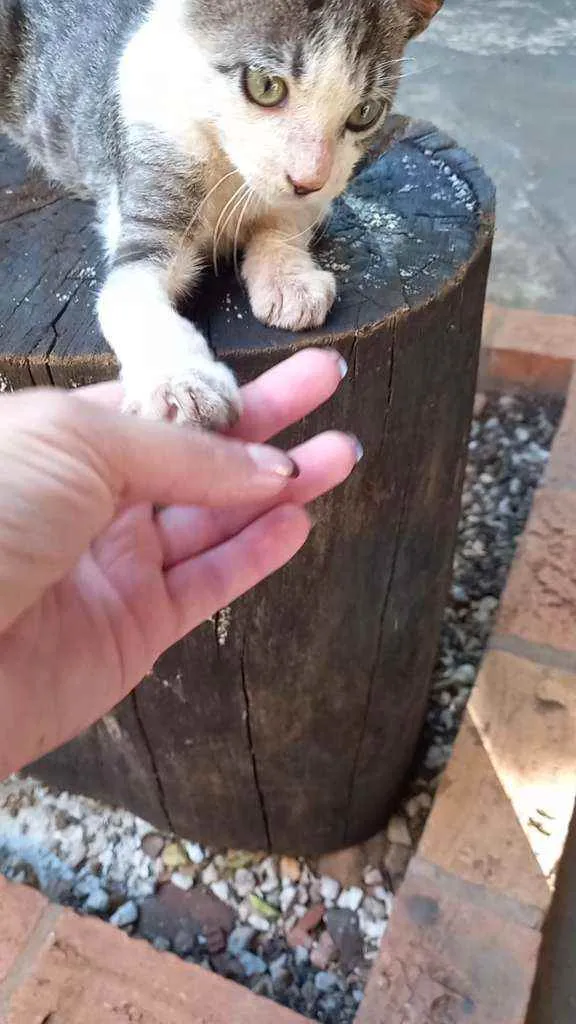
point(294, 298)
point(203, 393)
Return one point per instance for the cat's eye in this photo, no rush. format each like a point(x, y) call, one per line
point(263, 88)
point(365, 115)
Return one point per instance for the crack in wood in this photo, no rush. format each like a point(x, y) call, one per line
point(160, 791)
point(252, 752)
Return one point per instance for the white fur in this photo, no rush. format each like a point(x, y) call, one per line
point(167, 368)
point(249, 154)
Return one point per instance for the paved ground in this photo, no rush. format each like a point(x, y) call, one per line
point(500, 76)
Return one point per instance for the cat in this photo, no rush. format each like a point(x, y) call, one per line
point(200, 128)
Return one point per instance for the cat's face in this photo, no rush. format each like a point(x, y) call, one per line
point(301, 86)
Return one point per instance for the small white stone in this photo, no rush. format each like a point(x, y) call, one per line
point(375, 930)
point(372, 876)
point(194, 852)
point(126, 914)
point(182, 881)
point(302, 895)
point(259, 923)
point(221, 890)
point(350, 899)
point(397, 831)
point(210, 875)
point(374, 908)
point(329, 890)
point(287, 897)
point(244, 882)
point(98, 902)
point(382, 895)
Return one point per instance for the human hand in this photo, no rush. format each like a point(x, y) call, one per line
point(93, 584)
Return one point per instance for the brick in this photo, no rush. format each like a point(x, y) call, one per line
point(90, 973)
point(507, 369)
point(561, 470)
point(452, 954)
point(525, 714)
point(20, 911)
point(539, 602)
point(526, 330)
point(473, 830)
point(527, 349)
point(504, 804)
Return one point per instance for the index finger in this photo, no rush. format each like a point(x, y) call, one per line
point(279, 397)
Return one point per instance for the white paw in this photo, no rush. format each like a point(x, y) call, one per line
point(202, 392)
point(292, 297)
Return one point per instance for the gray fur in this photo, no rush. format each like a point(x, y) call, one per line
point(58, 64)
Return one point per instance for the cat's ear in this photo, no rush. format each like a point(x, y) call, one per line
point(421, 13)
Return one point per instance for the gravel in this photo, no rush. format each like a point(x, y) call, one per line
point(284, 927)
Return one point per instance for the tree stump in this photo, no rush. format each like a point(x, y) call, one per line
point(289, 722)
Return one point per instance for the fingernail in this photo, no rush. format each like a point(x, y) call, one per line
point(342, 366)
point(358, 446)
point(272, 461)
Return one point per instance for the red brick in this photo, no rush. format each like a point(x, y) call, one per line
point(527, 349)
point(539, 602)
point(90, 973)
point(561, 470)
point(526, 330)
point(506, 369)
point(452, 954)
point(20, 911)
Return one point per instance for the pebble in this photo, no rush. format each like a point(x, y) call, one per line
point(194, 852)
point(290, 869)
point(210, 875)
point(126, 914)
point(259, 923)
point(240, 939)
point(329, 890)
point(325, 981)
point(372, 876)
point(277, 969)
point(182, 881)
point(244, 882)
point(350, 899)
point(251, 963)
point(397, 831)
point(287, 897)
point(464, 675)
point(153, 844)
point(97, 902)
point(301, 955)
point(221, 890)
point(323, 952)
point(174, 856)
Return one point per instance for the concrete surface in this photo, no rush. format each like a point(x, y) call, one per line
point(500, 75)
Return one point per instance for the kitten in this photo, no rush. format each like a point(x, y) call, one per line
point(200, 127)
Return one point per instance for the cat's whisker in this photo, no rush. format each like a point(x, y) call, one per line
point(200, 207)
point(310, 227)
point(237, 205)
point(243, 212)
point(217, 233)
point(416, 71)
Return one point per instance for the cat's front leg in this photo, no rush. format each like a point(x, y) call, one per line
point(286, 286)
point(167, 368)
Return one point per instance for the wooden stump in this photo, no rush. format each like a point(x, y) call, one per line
point(290, 721)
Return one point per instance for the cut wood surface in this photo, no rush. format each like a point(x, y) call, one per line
point(290, 721)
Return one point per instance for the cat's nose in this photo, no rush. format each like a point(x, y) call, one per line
point(305, 188)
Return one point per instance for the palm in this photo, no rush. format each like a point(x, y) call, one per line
point(148, 579)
